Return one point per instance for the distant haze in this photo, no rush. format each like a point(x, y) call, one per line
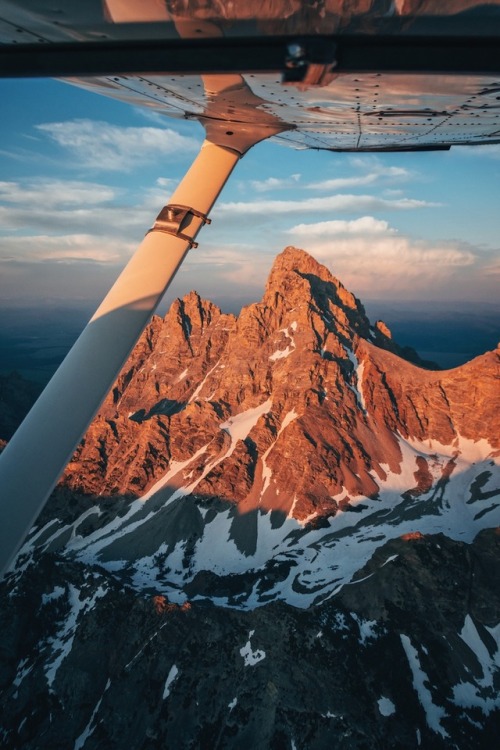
point(33, 341)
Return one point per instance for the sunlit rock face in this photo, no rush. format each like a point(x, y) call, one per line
point(277, 530)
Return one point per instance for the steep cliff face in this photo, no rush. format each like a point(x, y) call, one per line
point(299, 402)
point(285, 487)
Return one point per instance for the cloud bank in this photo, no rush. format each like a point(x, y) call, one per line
point(374, 260)
point(100, 145)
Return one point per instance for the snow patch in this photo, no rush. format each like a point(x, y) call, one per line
point(360, 375)
point(89, 729)
point(199, 388)
point(56, 594)
point(292, 507)
point(22, 671)
point(250, 657)
point(266, 471)
point(283, 353)
point(62, 642)
point(386, 706)
point(389, 559)
point(470, 451)
point(232, 704)
point(366, 628)
point(170, 678)
point(239, 426)
point(479, 692)
point(433, 714)
point(357, 377)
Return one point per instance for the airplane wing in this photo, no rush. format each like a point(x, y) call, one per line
point(342, 75)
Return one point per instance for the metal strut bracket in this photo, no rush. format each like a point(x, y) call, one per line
point(172, 218)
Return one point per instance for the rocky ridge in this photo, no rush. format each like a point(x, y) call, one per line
point(338, 394)
point(294, 427)
point(282, 503)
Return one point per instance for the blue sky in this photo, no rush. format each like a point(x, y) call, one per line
point(82, 178)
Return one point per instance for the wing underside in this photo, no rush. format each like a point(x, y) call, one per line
point(340, 75)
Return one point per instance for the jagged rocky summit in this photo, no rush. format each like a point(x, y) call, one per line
point(278, 532)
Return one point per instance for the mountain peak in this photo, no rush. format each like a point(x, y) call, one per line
point(293, 260)
point(299, 282)
point(296, 259)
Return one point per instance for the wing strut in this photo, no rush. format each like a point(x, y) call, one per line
point(44, 443)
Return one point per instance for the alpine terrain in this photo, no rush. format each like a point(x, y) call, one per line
point(280, 531)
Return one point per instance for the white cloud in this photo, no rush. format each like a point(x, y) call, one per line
point(373, 259)
point(340, 183)
point(374, 170)
point(374, 262)
point(120, 221)
point(395, 255)
point(103, 146)
point(345, 203)
point(67, 248)
point(393, 192)
point(51, 193)
point(274, 183)
point(373, 163)
point(364, 225)
point(72, 207)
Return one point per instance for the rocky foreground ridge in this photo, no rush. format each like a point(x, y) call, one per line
point(277, 533)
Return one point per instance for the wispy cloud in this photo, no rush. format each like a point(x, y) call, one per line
point(341, 183)
point(346, 203)
point(63, 249)
point(120, 221)
point(103, 146)
point(166, 183)
point(374, 170)
point(275, 183)
point(43, 206)
point(50, 193)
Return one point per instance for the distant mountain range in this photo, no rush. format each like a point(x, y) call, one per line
point(280, 531)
